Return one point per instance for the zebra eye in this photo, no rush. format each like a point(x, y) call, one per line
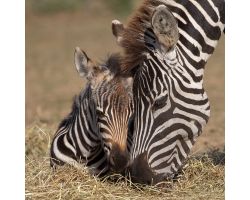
point(161, 102)
point(100, 114)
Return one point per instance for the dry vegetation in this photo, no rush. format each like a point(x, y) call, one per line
point(204, 178)
point(51, 81)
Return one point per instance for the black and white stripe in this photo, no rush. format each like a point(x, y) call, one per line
point(77, 140)
point(171, 105)
point(95, 132)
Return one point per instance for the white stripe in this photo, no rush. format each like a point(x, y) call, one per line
point(204, 13)
point(192, 85)
point(177, 16)
point(84, 151)
point(169, 157)
point(68, 145)
point(204, 56)
point(181, 132)
point(222, 26)
point(61, 156)
point(195, 24)
point(189, 66)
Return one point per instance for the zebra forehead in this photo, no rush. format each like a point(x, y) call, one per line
point(116, 94)
point(112, 66)
point(116, 85)
point(120, 98)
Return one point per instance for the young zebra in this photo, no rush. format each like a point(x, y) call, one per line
point(167, 44)
point(95, 132)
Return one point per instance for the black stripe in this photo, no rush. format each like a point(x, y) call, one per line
point(146, 33)
point(185, 99)
point(183, 77)
point(196, 65)
point(185, 89)
point(220, 4)
point(213, 33)
point(170, 151)
point(63, 149)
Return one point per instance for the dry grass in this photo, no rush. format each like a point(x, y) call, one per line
point(204, 178)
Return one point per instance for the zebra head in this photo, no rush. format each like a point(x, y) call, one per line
point(166, 47)
point(112, 95)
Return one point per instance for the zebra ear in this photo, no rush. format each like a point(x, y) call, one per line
point(86, 68)
point(117, 29)
point(165, 27)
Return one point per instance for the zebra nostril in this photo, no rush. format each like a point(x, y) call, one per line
point(118, 163)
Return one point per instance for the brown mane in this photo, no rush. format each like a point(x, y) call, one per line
point(132, 41)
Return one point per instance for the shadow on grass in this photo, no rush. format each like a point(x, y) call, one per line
point(217, 156)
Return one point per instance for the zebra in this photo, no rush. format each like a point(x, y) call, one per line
point(95, 132)
point(166, 45)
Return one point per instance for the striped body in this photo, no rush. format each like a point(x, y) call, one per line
point(95, 132)
point(171, 105)
point(77, 140)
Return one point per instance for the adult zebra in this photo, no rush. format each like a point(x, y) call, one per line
point(167, 44)
point(95, 132)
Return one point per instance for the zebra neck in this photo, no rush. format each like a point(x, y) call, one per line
point(197, 40)
point(88, 112)
point(84, 131)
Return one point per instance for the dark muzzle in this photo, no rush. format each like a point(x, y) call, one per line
point(118, 160)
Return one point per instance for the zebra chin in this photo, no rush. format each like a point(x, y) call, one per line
point(118, 160)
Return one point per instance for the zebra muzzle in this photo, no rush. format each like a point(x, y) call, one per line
point(118, 160)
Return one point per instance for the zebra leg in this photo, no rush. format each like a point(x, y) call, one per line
point(165, 28)
point(60, 153)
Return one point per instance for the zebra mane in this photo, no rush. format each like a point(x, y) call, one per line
point(133, 42)
point(113, 64)
point(84, 94)
point(74, 112)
